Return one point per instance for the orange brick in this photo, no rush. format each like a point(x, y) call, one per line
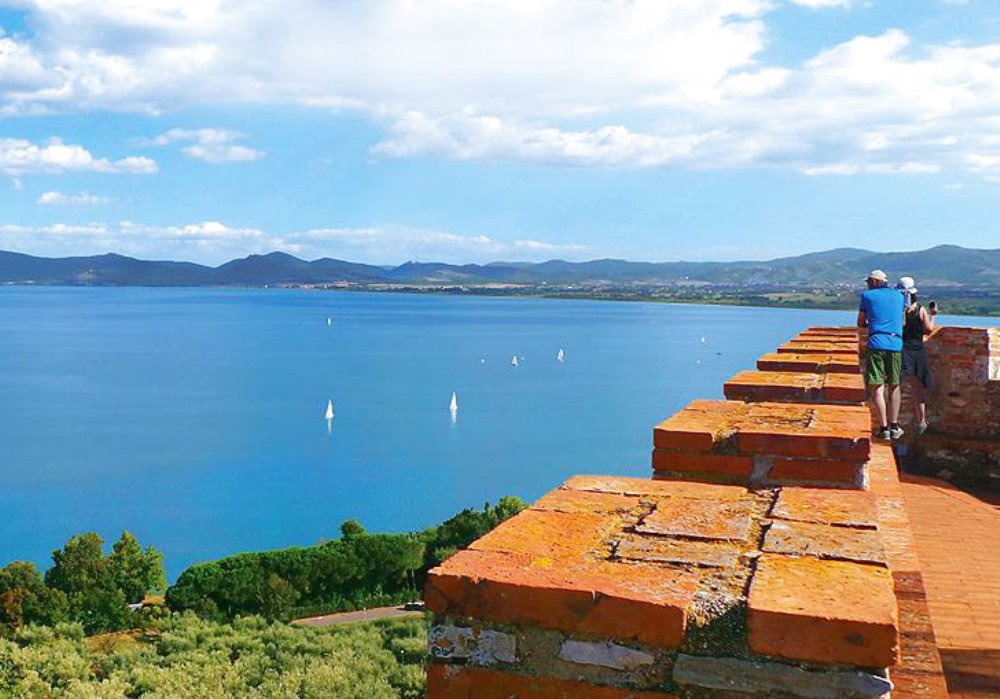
point(573, 501)
point(823, 348)
point(665, 460)
point(557, 535)
point(644, 487)
point(823, 611)
point(698, 519)
point(779, 441)
point(597, 598)
point(846, 388)
point(811, 470)
point(698, 426)
point(462, 682)
point(822, 363)
point(844, 507)
point(658, 549)
point(825, 541)
point(763, 386)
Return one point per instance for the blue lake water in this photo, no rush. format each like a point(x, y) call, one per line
point(194, 418)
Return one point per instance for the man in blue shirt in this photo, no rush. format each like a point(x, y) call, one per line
point(882, 313)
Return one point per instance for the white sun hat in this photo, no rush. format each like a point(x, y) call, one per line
point(907, 284)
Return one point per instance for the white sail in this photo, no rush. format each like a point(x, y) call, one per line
point(561, 356)
point(513, 360)
point(454, 402)
point(329, 321)
point(329, 410)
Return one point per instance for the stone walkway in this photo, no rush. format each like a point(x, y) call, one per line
point(958, 542)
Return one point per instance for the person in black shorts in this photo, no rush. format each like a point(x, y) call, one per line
point(918, 322)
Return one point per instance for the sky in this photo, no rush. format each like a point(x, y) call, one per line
point(461, 131)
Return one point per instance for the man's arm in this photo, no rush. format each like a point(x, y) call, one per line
point(862, 320)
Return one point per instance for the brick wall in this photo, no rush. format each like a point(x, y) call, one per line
point(963, 409)
point(768, 556)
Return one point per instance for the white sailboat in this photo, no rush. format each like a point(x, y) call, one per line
point(561, 356)
point(453, 406)
point(329, 322)
point(513, 360)
point(329, 410)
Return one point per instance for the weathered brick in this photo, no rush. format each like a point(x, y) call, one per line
point(698, 519)
point(574, 501)
point(825, 541)
point(597, 598)
point(698, 426)
point(798, 362)
point(798, 387)
point(654, 549)
point(550, 534)
point(795, 441)
point(844, 388)
point(644, 487)
point(668, 460)
point(823, 611)
point(803, 471)
point(846, 349)
point(844, 507)
point(460, 682)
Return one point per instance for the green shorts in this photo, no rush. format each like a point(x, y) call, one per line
point(883, 367)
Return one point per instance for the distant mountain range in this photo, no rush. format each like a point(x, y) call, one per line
point(945, 266)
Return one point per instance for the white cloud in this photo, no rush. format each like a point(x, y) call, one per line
point(20, 68)
point(981, 162)
point(399, 244)
point(640, 83)
point(210, 145)
point(554, 55)
point(469, 136)
point(909, 168)
point(81, 199)
point(22, 157)
point(208, 241)
point(822, 4)
point(866, 106)
point(214, 242)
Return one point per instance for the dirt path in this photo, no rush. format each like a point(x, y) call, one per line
point(364, 615)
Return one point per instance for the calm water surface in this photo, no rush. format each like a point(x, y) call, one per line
point(194, 418)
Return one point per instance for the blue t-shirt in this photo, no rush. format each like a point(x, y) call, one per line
point(883, 308)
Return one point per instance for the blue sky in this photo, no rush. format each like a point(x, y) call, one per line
point(393, 130)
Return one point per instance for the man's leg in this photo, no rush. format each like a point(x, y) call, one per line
point(893, 369)
point(894, 394)
point(879, 396)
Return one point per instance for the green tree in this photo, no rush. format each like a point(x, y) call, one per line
point(351, 528)
point(276, 597)
point(25, 599)
point(79, 566)
point(133, 571)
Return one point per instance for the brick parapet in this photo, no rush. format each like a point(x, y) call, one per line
point(796, 387)
point(727, 571)
point(963, 408)
point(614, 579)
point(764, 444)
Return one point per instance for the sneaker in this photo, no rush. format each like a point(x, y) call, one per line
point(883, 433)
point(895, 432)
point(921, 428)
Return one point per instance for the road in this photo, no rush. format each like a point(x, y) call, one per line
point(364, 615)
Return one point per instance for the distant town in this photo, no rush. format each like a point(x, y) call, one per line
point(964, 281)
